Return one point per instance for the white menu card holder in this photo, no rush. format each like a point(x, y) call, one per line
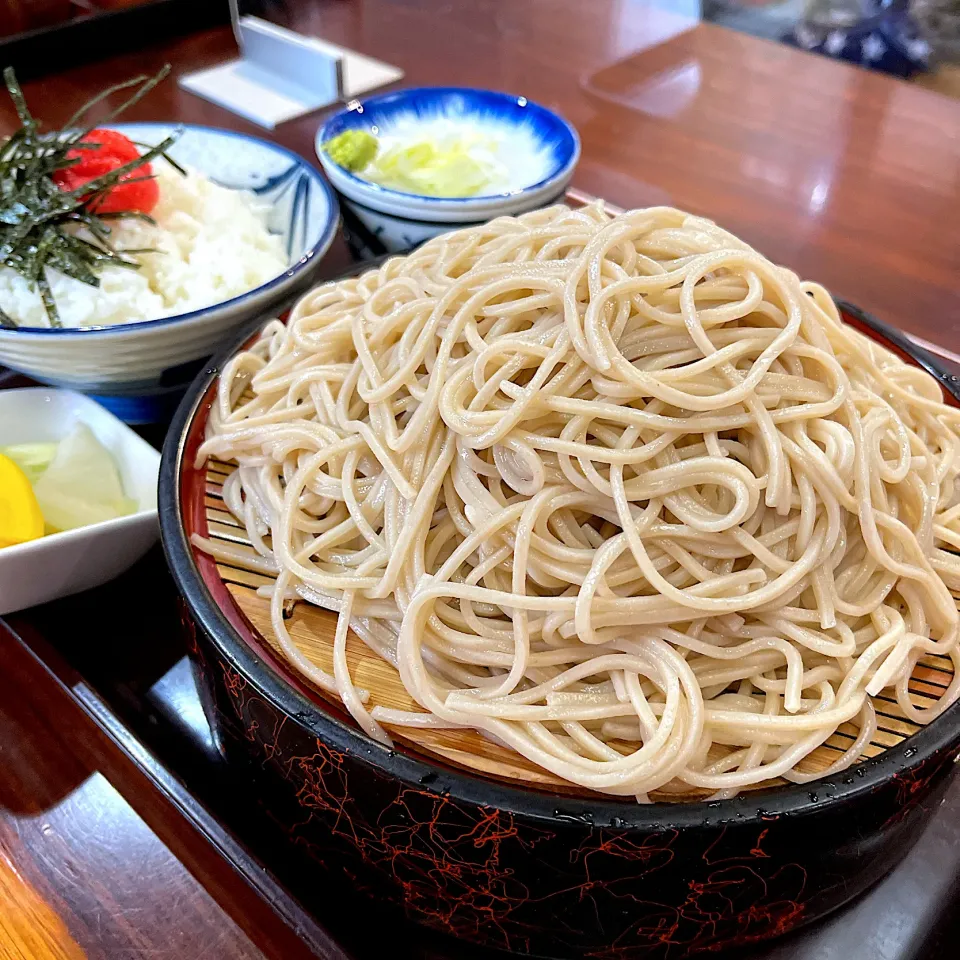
point(282, 74)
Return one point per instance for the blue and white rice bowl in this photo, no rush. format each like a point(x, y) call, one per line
point(139, 370)
point(540, 153)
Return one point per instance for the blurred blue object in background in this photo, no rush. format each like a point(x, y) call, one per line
point(881, 35)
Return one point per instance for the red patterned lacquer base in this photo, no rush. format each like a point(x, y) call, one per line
point(526, 871)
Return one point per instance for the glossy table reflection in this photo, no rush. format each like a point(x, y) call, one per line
point(102, 853)
point(121, 835)
point(850, 177)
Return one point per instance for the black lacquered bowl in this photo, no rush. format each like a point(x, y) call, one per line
point(528, 870)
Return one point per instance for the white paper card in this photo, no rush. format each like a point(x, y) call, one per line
point(283, 74)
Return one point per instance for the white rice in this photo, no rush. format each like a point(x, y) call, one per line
point(212, 244)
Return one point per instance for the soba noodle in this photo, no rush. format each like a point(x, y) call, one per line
point(617, 492)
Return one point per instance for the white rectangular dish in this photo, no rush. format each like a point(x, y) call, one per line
point(74, 560)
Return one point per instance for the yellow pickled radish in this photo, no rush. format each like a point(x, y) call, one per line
point(20, 516)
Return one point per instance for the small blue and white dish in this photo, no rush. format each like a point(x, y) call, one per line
point(540, 153)
point(140, 370)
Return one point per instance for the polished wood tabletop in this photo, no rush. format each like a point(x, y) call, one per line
point(848, 177)
point(85, 874)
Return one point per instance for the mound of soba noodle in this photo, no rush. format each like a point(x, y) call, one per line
point(617, 492)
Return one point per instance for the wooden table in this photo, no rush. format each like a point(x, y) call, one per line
point(848, 177)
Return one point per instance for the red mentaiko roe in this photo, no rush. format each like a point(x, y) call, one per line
point(114, 151)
